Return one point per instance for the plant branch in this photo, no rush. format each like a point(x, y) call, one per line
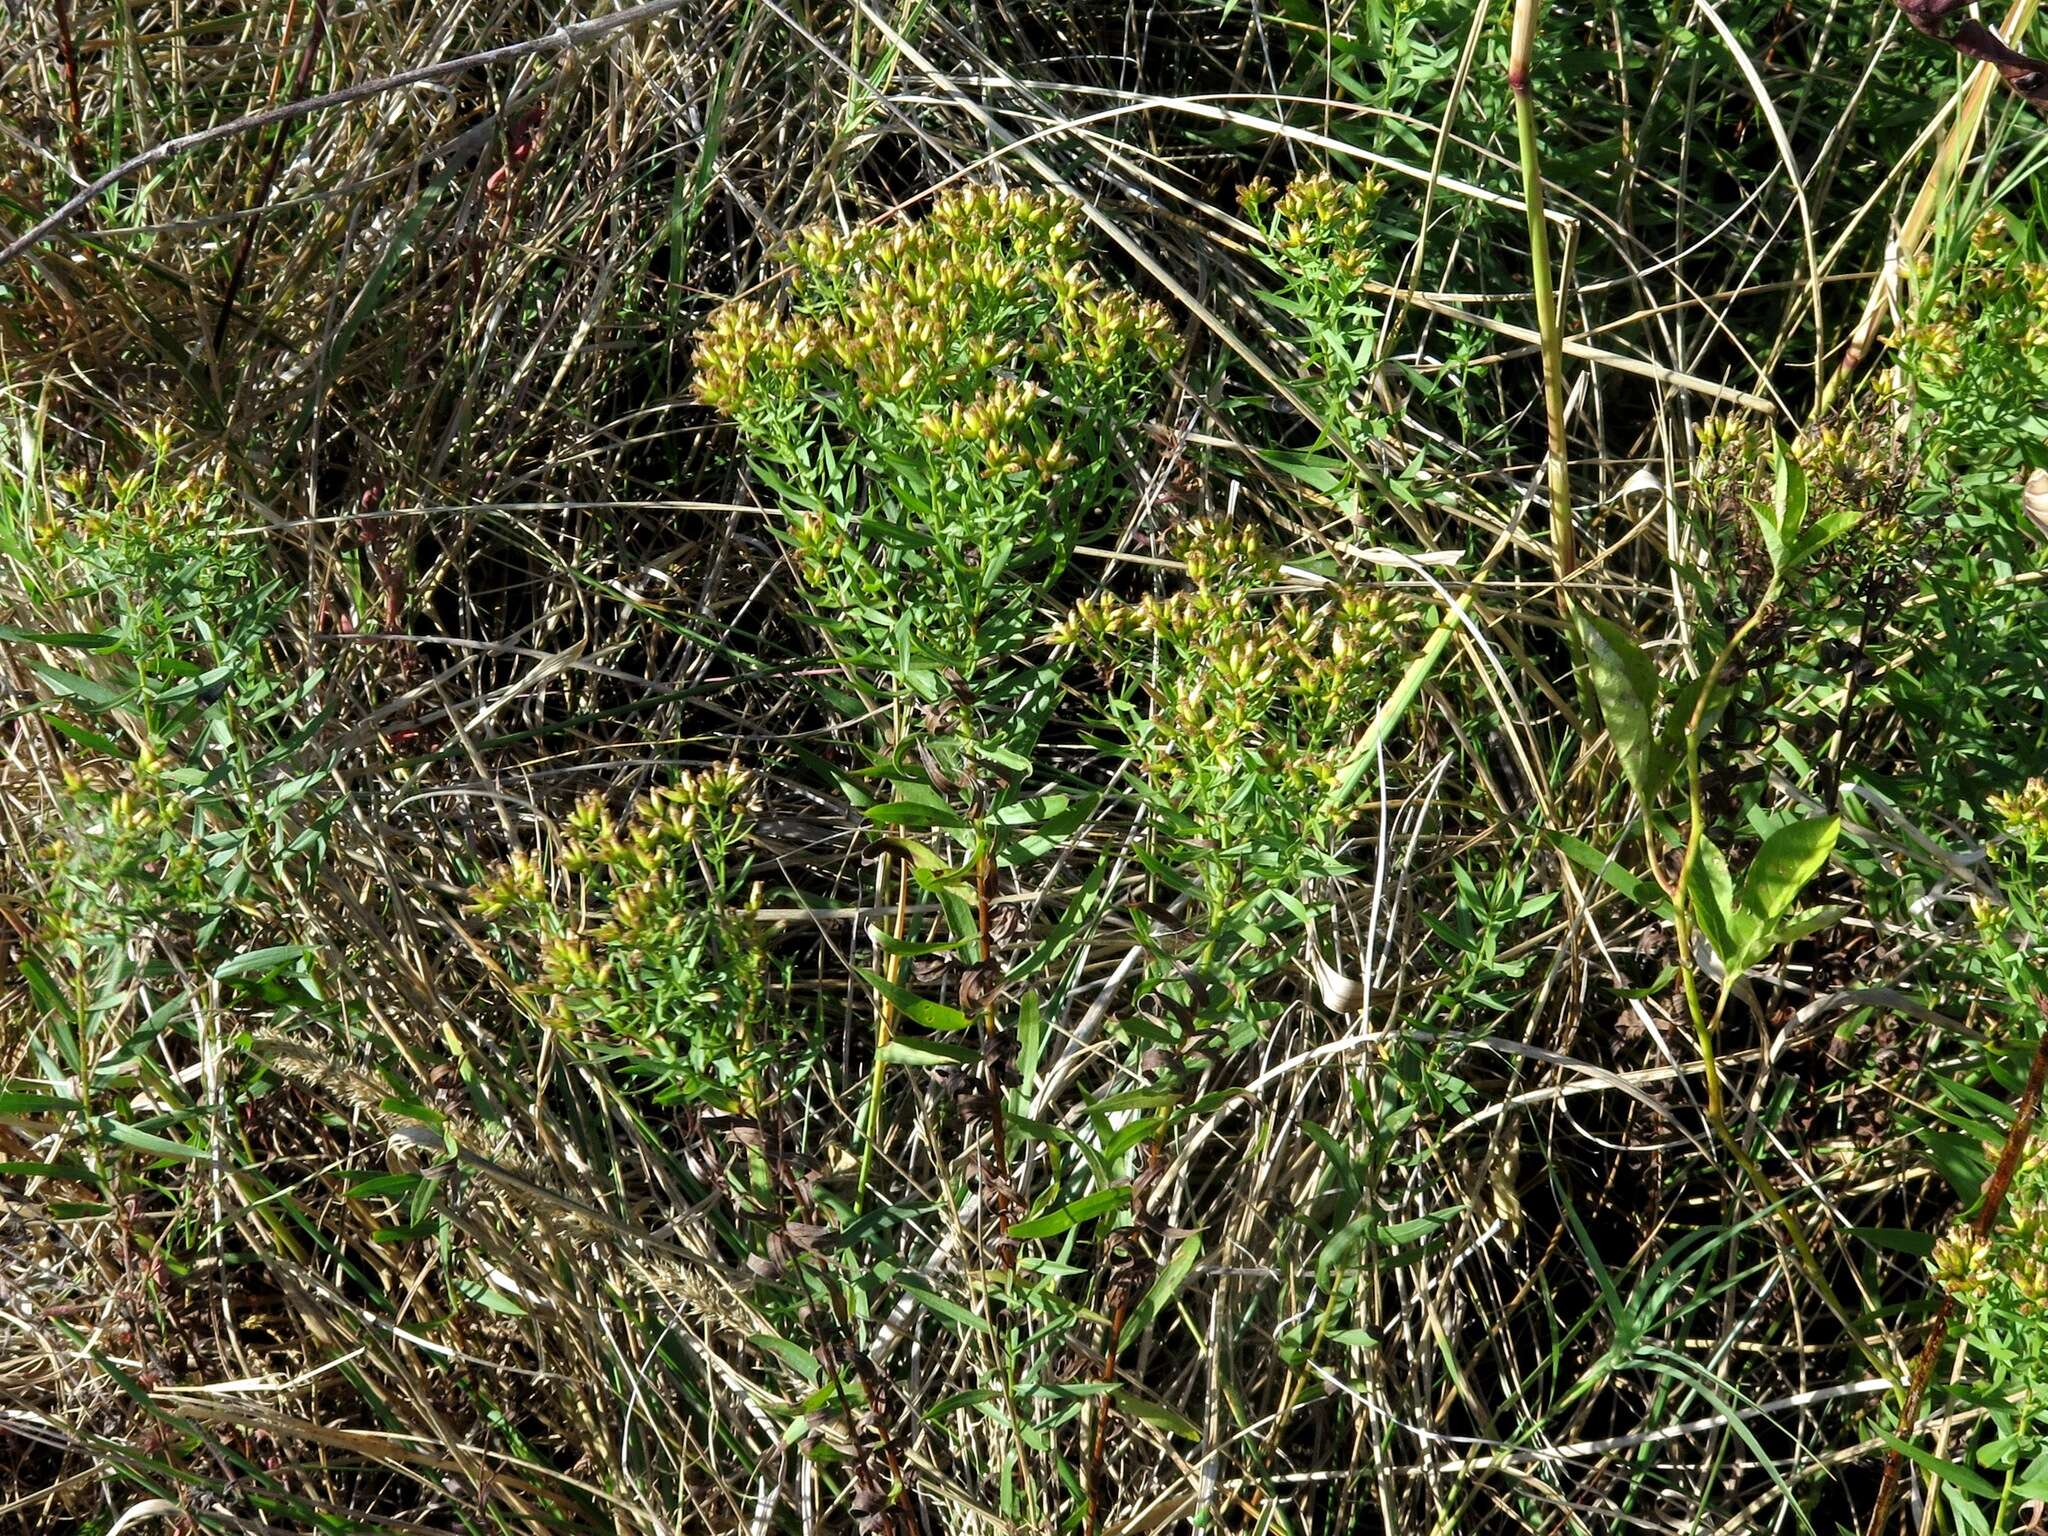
point(1706, 1027)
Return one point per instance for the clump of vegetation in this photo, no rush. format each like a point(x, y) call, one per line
point(1976, 352)
point(1252, 691)
point(705, 828)
point(189, 799)
point(940, 407)
point(640, 940)
point(1321, 241)
point(1989, 1264)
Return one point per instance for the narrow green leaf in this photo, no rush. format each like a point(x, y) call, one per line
point(1031, 811)
point(1800, 924)
point(85, 690)
point(890, 945)
point(930, 1014)
point(1073, 1213)
point(1172, 1276)
point(259, 961)
point(1606, 868)
point(1729, 927)
point(1787, 514)
point(76, 1173)
point(940, 1306)
point(928, 1053)
point(1150, 1411)
point(491, 1300)
point(64, 640)
point(12, 1103)
point(1947, 1471)
point(1823, 533)
point(915, 813)
point(159, 1146)
point(795, 1356)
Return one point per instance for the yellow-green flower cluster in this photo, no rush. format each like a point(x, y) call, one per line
point(1961, 1264)
point(928, 317)
point(1030, 232)
point(516, 889)
point(1319, 220)
point(1320, 243)
point(939, 402)
point(2001, 1281)
point(745, 351)
point(1996, 306)
point(570, 970)
point(140, 508)
point(713, 807)
point(822, 548)
point(1843, 458)
point(1219, 556)
point(996, 424)
point(129, 851)
point(2024, 813)
point(630, 928)
point(136, 530)
point(1854, 462)
point(1249, 686)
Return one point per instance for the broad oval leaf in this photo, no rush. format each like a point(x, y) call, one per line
point(1625, 682)
point(1788, 860)
point(1734, 931)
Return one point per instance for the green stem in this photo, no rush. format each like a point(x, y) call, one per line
point(885, 1014)
point(1521, 50)
point(1706, 1027)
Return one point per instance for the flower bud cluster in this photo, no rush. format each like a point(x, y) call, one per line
point(2001, 1280)
point(2024, 813)
point(930, 321)
point(1320, 242)
point(1996, 309)
point(1257, 694)
point(1854, 463)
point(931, 392)
point(632, 927)
point(130, 850)
point(941, 402)
point(1319, 220)
point(149, 527)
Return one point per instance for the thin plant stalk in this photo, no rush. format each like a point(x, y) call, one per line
point(1521, 49)
point(885, 1015)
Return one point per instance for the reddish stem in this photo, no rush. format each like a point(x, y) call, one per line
point(1987, 1220)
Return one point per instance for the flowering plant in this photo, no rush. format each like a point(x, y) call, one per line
point(640, 938)
point(937, 407)
point(1251, 694)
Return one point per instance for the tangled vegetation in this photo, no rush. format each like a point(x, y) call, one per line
point(986, 769)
